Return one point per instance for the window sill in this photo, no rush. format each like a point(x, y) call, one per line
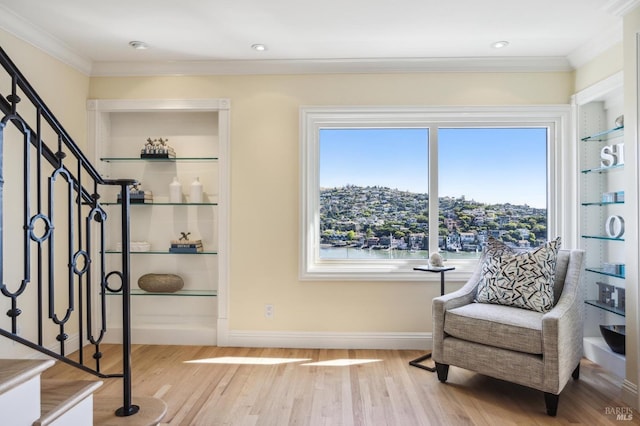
point(388, 271)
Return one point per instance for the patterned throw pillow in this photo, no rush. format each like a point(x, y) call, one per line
point(524, 280)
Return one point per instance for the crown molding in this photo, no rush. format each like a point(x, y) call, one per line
point(596, 46)
point(24, 30)
point(333, 66)
point(21, 28)
point(620, 7)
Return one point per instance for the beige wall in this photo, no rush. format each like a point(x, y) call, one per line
point(62, 88)
point(603, 66)
point(65, 91)
point(265, 175)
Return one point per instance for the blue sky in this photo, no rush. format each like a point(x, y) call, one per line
point(488, 165)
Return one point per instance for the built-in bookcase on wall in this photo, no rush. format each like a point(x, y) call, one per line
point(197, 132)
point(601, 180)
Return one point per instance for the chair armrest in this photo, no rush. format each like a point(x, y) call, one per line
point(562, 329)
point(562, 334)
point(460, 297)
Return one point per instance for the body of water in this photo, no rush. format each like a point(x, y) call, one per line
point(356, 253)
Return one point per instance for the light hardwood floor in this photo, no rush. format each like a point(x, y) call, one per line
point(210, 386)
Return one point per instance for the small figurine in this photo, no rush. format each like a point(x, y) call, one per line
point(157, 148)
point(148, 147)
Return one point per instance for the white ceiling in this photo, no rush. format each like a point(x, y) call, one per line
point(392, 35)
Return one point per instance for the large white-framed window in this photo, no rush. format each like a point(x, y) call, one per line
point(323, 130)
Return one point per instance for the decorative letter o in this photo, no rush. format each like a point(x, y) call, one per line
point(614, 226)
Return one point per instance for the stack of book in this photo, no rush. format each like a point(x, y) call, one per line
point(613, 268)
point(166, 152)
point(139, 197)
point(613, 197)
point(186, 246)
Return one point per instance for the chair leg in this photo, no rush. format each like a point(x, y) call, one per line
point(551, 401)
point(576, 373)
point(443, 371)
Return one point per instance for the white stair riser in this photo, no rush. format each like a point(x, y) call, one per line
point(22, 403)
point(80, 415)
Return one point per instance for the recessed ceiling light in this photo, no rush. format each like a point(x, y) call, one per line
point(259, 47)
point(500, 44)
point(138, 45)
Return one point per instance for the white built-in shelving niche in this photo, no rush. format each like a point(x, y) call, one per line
point(198, 131)
point(597, 109)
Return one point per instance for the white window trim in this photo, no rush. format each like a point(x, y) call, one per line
point(561, 172)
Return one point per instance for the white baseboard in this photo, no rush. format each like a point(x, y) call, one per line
point(596, 350)
point(164, 336)
point(14, 349)
point(322, 340)
point(263, 339)
point(223, 332)
point(630, 394)
point(70, 346)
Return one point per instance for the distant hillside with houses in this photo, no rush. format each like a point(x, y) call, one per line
point(379, 217)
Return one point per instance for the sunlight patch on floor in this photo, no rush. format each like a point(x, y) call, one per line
point(241, 360)
point(246, 360)
point(341, 362)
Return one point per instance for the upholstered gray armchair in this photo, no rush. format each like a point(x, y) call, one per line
point(534, 349)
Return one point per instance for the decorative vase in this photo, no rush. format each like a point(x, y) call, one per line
point(196, 191)
point(175, 191)
point(436, 260)
point(615, 336)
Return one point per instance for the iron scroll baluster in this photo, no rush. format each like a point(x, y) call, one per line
point(62, 255)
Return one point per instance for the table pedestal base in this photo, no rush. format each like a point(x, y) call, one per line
point(416, 363)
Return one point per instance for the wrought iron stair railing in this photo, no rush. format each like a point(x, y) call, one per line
point(53, 276)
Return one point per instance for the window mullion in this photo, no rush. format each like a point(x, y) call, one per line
point(434, 210)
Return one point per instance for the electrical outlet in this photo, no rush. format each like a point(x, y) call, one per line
point(268, 311)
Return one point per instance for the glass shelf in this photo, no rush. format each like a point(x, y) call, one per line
point(605, 135)
point(602, 272)
point(111, 203)
point(158, 252)
point(603, 169)
point(605, 307)
point(598, 237)
point(180, 293)
point(156, 160)
point(603, 203)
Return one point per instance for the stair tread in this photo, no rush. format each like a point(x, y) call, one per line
point(14, 372)
point(152, 410)
point(59, 396)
